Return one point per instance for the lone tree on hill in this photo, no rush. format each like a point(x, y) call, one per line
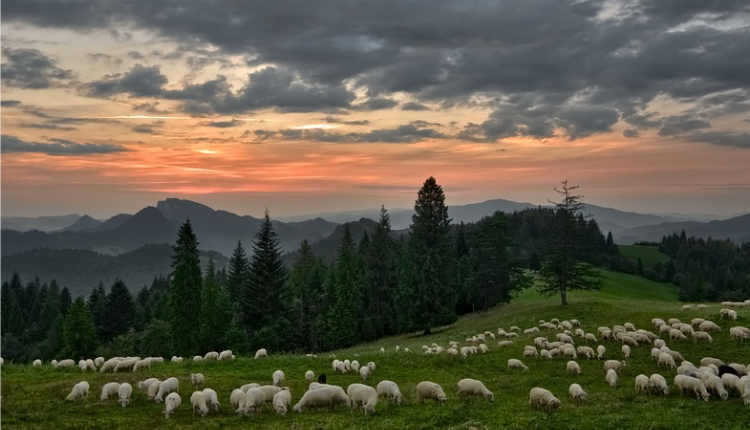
point(562, 270)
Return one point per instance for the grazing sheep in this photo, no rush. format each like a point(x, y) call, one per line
point(152, 388)
point(212, 399)
point(390, 390)
point(503, 343)
point(642, 384)
point(589, 337)
point(166, 386)
point(65, 364)
point(281, 401)
point(708, 325)
point(541, 398)
point(176, 359)
point(37, 363)
point(466, 351)
point(261, 353)
point(666, 360)
point(355, 365)
point(198, 401)
point(211, 355)
point(573, 367)
point(430, 390)
point(658, 385)
point(198, 358)
point(576, 393)
point(658, 343)
point(739, 333)
point(716, 386)
point(741, 369)
point(236, 397)
point(322, 396)
point(611, 378)
point(98, 361)
point(226, 355)
point(124, 393)
point(126, 364)
point(142, 364)
point(364, 372)
point(517, 365)
point(675, 334)
point(600, 351)
point(744, 385)
point(474, 387)
point(255, 397)
point(613, 364)
point(197, 379)
point(530, 351)
point(310, 376)
point(483, 348)
point(625, 351)
point(702, 335)
point(705, 361)
point(545, 354)
point(690, 384)
point(363, 395)
point(79, 390)
point(731, 382)
point(171, 403)
point(371, 365)
point(109, 389)
point(278, 378)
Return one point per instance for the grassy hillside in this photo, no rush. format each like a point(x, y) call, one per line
point(649, 255)
point(34, 397)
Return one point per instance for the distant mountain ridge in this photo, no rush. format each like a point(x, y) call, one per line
point(736, 229)
point(41, 223)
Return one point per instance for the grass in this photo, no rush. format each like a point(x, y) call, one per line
point(33, 397)
point(649, 255)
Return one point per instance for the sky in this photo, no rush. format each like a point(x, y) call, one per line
point(306, 107)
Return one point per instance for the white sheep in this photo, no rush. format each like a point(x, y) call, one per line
point(545, 354)
point(197, 379)
point(355, 365)
point(211, 355)
point(278, 377)
point(694, 385)
point(282, 401)
point(573, 367)
point(658, 385)
point(236, 397)
point(503, 343)
point(474, 387)
point(255, 397)
point(430, 390)
point(702, 335)
point(198, 358)
point(739, 333)
point(642, 384)
point(658, 343)
point(109, 365)
point(226, 355)
point(142, 364)
point(126, 363)
point(143, 385)
point(543, 399)
point(390, 390)
point(716, 386)
point(65, 364)
point(600, 351)
point(364, 372)
point(363, 395)
point(625, 351)
point(517, 365)
point(166, 386)
point(705, 361)
point(261, 353)
point(246, 387)
point(586, 351)
point(212, 399)
point(322, 396)
point(199, 403)
point(98, 361)
point(37, 363)
point(171, 403)
point(310, 375)
point(666, 360)
point(79, 390)
point(124, 393)
point(483, 348)
point(176, 359)
point(109, 389)
point(371, 365)
point(576, 393)
point(731, 382)
point(744, 385)
point(611, 377)
point(614, 364)
point(708, 325)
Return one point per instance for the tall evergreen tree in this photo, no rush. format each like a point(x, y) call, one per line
point(435, 300)
point(380, 279)
point(185, 292)
point(13, 320)
point(306, 286)
point(97, 305)
point(119, 311)
point(344, 313)
point(79, 335)
point(65, 300)
point(563, 271)
point(216, 311)
point(239, 272)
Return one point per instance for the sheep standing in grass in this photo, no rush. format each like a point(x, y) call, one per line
point(389, 390)
point(474, 387)
point(172, 402)
point(124, 393)
point(530, 351)
point(430, 390)
point(611, 378)
point(517, 365)
point(310, 376)
point(355, 365)
point(236, 397)
point(625, 351)
point(142, 364)
point(37, 363)
point(600, 351)
point(198, 358)
point(65, 364)
point(278, 378)
point(541, 398)
point(731, 382)
point(109, 389)
point(323, 396)
point(666, 360)
point(198, 402)
point(98, 361)
point(613, 364)
point(744, 385)
point(197, 379)
point(658, 385)
point(166, 386)
point(715, 385)
point(226, 355)
point(642, 384)
point(739, 333)
point(281, 401)
point(79, 390)
point(261, 353)
point(364, 372)
point(363, 395)
point(573, 367)
point(687, 383)
point(576, 393)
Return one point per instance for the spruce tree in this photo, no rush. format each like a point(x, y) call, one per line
point(380, 279)
point(435, 300)
point(344, 314)
point(185, 292)
point(119, 312)
point(216, 311)
point(97, 305)
point(65, 300)
point(239, 270)
point(79, 335)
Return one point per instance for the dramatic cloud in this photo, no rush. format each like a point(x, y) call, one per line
point(223, 124)
point(31, 69)
point(11, 144)
point(408, 133)
point(140, 81)
point(414, 106)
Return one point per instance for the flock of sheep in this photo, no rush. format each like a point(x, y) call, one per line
point(712, 377)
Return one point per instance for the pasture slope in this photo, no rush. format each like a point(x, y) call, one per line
point(649, 255)
point(33, 397)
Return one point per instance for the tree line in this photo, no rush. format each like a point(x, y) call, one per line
point(383, 284)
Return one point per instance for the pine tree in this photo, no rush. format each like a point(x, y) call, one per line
point(343, 316)
point(119, 311)
point(216, 311)
point(79, 335)
point(239, 270)
point(306, 286)
point(185, 292)
point(12, 314)
point(380, 280)
point(435, 300)
point(563, 271)
point(97, 305)
point(65, 300)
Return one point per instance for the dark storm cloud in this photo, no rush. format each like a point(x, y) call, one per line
point(407, 133)
point(414, 106)
point(526, 59)
point(139, 81)
point(674, 125)
point(11, 144)
point(148, 128)
point(31, 69)
point(10, 103)
point(336, 120)
point(223, 124)
point(375, 104)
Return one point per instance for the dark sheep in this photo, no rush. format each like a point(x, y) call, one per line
point(726, 369)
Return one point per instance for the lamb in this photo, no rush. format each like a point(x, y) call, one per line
point(124, 393)
point(278, 378)
point(573, 367)
point(166, 386)
point(474, 387)
point(666, 360)
point(390, 390)
point(695, 385)
point(430, 390)
point(600, 351)
point(642, 383)
point(322, 396)
point(261, 353)
point(310, 376)
point(658, 385)
point(281, 401)
point(517, 364)
point(715, 385)
point(363, 395)
point(625, 351)
point(198, 401)
point(611, 377)
point(197, 379)
point(226, 355)
point(172, 402)
point(543, 399)
point(576, 393)
point(109, 389)
point(79, 390)
point(364, 372)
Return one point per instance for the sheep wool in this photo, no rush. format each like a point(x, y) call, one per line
point(79, 390)
point(658, 385)
point(261, 353)
point(642, 384)
point(611, 378)
point(278, 377)
point(197, 379)
point(576, 393)
point(474, 387)
point(171, 403)
point(430, 390)
point(541, 398)
point(687, 383)
point(281, 401)
point(389, 390)
point(310, 376)
point(109, 389)
point(364, 396)
point(166, 386)
point(573, 367)
point(198, 402)
point(322, 396)
point(124, 393)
